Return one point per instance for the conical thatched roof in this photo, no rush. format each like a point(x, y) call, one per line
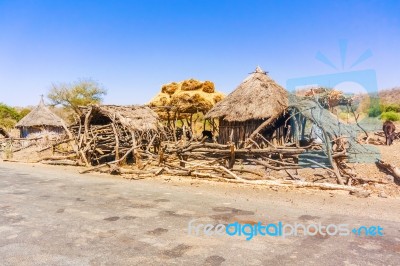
point(257, 97)
point(40, 116)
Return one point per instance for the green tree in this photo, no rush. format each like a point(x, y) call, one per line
point(9, 116)
point(73, 95)
point(23, 112)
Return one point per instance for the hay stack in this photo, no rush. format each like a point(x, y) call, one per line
point(186, 97)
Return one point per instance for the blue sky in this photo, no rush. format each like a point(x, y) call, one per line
point(133, 47)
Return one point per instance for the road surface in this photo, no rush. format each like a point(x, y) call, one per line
point(54, 216)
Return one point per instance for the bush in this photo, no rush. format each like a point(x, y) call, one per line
point(9, 116)
point(374, 111)
point(9, 112)
point(391, 116)
point(391, 108)
point(343, 115)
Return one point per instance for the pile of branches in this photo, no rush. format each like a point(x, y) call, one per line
point(102, 143)
point(224, 162)
point(328, 98)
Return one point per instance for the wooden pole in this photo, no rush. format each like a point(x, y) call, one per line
point(232, 156)
point(116, 142)
point(261, 127)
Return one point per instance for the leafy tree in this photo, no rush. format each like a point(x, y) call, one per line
point(73, 95)
point(9, 116)
point(23, 112)
point(376, 108)
point(8, 112)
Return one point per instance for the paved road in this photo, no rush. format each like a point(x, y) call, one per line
point(51, 216)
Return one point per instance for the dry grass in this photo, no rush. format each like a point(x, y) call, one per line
point(135, 117)
point(41, 116)
point(191, 85)
point(391, 96)
point(188, 96)
point(170, 88)
point(208, 87)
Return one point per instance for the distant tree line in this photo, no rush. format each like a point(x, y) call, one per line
point(384, 111)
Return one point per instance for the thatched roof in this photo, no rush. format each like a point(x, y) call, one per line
point(188, 96)
point(135, 117)
point(41, 116)
point(257, 97)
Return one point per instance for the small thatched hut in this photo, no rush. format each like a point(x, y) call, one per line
point(256, 100)
point(41, 122)
point(106, 132)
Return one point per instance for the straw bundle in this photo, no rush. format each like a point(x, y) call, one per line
point(188, 96)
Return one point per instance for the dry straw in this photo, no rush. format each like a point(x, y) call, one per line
point(188, 96)
point(40, 116)
point(257, 97)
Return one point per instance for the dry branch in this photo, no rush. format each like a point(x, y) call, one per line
point(391, 169)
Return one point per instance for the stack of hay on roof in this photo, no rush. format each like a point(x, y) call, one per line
point(185, 97)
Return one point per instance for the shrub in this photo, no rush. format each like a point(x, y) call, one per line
point(9, 116)
point(391, 116)
point(7, 123)
point(391, 108)
point(343, 115)
point(374, 111)
point(8, 112)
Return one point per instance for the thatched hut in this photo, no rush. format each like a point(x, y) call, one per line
point(256, 100)
point(41, 122)
point(106, 132)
